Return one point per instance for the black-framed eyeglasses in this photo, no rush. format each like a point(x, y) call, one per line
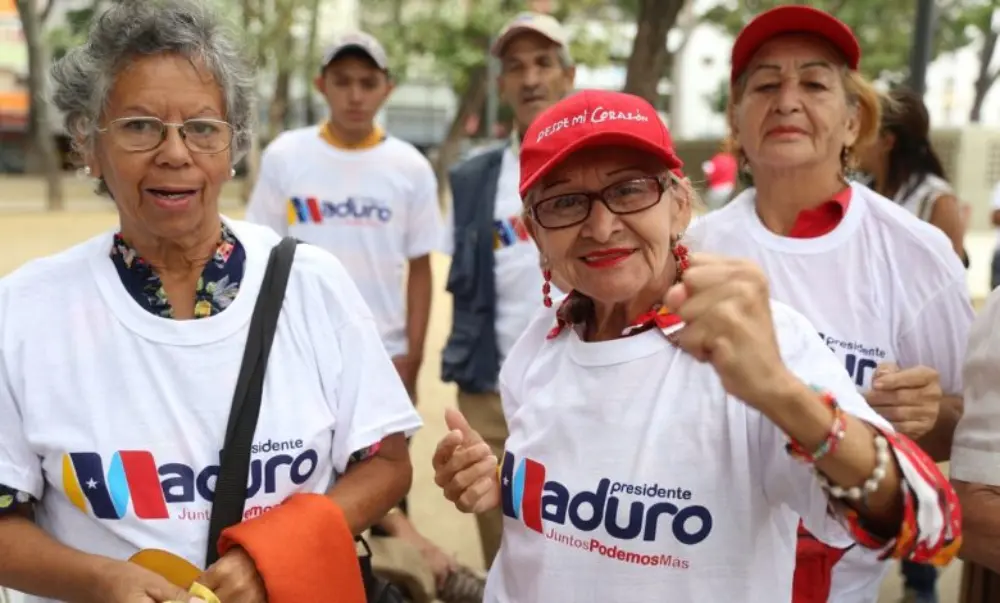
point(138, 134)
point(621, 198)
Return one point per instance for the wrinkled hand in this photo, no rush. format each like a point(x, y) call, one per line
point(910, 398)
point(408, 368)
point(124, 582)
point(441, 564)
point(234, 578)
point(725, 304)
point(465, 467)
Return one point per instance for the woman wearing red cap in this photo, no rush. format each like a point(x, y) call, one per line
point(668, 455)
point(886, 290)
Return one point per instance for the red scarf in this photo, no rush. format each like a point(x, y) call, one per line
point(576, 309)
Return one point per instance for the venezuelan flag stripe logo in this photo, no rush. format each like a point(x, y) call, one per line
point(132, 480)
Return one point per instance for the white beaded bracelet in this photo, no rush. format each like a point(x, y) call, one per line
point(882, 458)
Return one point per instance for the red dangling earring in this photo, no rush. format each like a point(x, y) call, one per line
point(546, 288)
point(681, 256)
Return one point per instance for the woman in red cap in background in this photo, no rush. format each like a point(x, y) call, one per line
point(885, 289)
point(656, 454)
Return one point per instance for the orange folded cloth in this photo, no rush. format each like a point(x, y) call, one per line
point(304, 551)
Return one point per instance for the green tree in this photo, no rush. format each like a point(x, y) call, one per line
point(649, 59)
point(982, 22)
point(884, 28)
point(444, 41)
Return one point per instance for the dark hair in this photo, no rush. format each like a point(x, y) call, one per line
point(352, 52)
point(904, 115)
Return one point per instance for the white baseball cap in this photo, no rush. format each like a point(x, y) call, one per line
point(544, 25)
point(356, 40)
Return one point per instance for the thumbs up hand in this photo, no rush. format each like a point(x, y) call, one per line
point(465, 467)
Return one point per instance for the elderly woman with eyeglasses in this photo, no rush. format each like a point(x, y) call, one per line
point(118, 357)
point(669, 424)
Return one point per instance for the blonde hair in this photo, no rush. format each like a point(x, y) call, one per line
point(860, 94)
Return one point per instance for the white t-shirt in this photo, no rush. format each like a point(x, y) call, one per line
point(115, 417)
point(630, 474)
point(374, 209)
point(975, 455)
point(919, 194)
point(517, 270)
point(882, 287)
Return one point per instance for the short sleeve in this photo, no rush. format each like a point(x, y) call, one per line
point(975, 453)
point(424, 231)
point(938, 334)
point(366, 395)
point(268, 205)
point(20, 467)
point(787, 480)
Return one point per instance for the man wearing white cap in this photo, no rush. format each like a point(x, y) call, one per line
point(366, 196)
point(370, 199)
point(495, 280)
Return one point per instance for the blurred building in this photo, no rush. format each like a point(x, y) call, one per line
point(13, 93)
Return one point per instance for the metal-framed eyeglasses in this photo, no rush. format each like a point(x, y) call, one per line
point(622, 198)
point(139, 134)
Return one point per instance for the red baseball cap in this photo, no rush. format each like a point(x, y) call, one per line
point(593, 118)
point(789, 20)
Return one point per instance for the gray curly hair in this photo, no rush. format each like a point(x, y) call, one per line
point(130, 28)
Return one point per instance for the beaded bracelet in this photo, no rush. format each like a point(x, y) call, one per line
point(829, 445)
point(882, 460)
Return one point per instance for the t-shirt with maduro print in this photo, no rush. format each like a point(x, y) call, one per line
point(373, 208)
point(630, 474)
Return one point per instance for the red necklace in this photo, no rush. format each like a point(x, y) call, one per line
point(571, 308)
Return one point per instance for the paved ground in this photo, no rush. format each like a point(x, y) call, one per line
point(26, 233)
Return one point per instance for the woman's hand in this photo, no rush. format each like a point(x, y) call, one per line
point(465, 467)
point(124, 582)
point(908, 398)
point(234, 578)
point(725, 305)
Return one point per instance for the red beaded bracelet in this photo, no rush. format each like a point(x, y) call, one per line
point(829, 445)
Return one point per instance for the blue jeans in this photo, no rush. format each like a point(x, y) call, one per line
point(921, 579)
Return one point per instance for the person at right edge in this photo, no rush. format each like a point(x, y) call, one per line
point(902, 166)
point(884, 289)
point(494, 273)
point(995, 220)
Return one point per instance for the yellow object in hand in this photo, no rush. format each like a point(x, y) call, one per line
point(176, 570)
point(203, 593)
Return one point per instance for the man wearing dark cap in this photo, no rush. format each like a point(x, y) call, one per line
point(496, 279)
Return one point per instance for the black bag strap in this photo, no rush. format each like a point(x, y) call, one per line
point(234, 471)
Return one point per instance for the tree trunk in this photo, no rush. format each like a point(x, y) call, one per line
point(252, 11)
point(42, 153)
point(986, 77)
point(649, 56)
point(277, 115)
point(312, 51)
point(686, 21)
point(471, 103)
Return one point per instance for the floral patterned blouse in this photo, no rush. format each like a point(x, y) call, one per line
point(217, 288)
